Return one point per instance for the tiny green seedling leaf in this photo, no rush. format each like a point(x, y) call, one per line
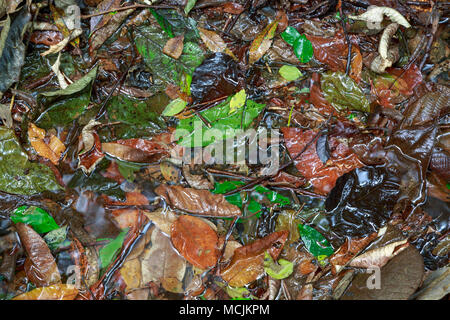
point(277, 270)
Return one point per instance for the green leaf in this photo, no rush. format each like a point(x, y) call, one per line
point(174, 107)
point(290, 35)
point(75, 87)
point(18, 174)
point(273, 196)
point(303, 49)
point(189, 5)
point(290, 73)
point(127, 169)
point(67, 104)
point(163, 23)
point(108, 252)
point(35, 217)
point(220, 119)
point(315, 242)
point(137, 120)
point(280, 270)
point(150, 42)
point(343, 93)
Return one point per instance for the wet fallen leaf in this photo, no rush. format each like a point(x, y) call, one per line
point(53, 292)
point(195, 240)
point(201, 202)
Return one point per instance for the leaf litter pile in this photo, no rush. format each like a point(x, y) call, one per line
point(97, 200)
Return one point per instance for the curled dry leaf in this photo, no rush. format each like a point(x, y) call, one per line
point(385, 39)
point(53, 292)
point(350, 248)
point(380, 256)
point(61, 45)
point(40, 266)
point(162, 264)
point(374, 16)
point(201, 202)
point(174, 47)
point(196, 241)
point(91, 148)
point(49, 147)
point(247, 263)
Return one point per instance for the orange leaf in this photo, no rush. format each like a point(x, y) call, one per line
point(196, 241)
point(322, 176)
point(54, 292)
point(51, 150)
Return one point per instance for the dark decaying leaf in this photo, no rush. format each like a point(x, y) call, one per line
point(218, 76)
point(12, 50)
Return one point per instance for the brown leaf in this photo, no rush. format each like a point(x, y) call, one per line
point(91, 148)
point(348, 250)
point(47, 146)
point(174, 47)
point(53, 292)
point(162, 218)
point(196, 181)
point(40, 265)
point(246, 265)
point(201, 202)
point(212, 40)
point(196, 241)
point(161, 263)
point(127, 153)
point(170, 171)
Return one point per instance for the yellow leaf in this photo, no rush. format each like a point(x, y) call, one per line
point(238, 101)
point(262, 42)
point(51, 150)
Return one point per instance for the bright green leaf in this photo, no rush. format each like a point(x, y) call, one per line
point(290, 35)
point(56, 238)
point(280, 270)
point(290, 73)
point(303, 49)
point(35, 217)
point(189, 5)
point(108, 252)
point(315, 242)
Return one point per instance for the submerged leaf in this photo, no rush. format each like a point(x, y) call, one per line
point(19, 175)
